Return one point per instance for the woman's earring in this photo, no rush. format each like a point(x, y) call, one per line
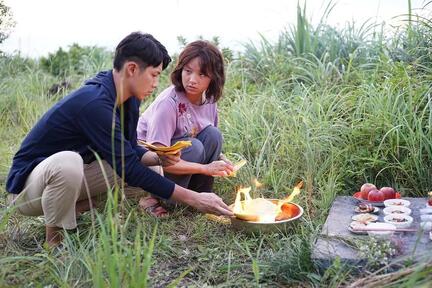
point(203, 97)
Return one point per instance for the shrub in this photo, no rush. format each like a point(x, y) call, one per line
point(77, 60)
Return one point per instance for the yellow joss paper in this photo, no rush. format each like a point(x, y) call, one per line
point(237, 167)
point(170, 150)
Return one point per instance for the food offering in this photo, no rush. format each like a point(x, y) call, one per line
point(357, 228)
point(366, 208)
point(429, 200)
point(397, 203)
point(397, 210)
point(399, 220)
point(370, 194)
point(365, 218)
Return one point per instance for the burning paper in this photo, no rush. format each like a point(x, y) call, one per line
point(260, 209)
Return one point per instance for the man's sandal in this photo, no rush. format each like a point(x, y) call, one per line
point(153, 207)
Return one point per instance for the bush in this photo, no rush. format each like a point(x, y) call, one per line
point(77, 60)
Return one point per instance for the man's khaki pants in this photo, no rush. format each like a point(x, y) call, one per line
point(57, 183)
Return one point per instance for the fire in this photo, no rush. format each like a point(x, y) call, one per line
point(257, 184)
point(295, 192)
point(260, 209)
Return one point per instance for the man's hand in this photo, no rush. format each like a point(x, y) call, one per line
point(211, 203)
point(203, 202)
point(218, 168)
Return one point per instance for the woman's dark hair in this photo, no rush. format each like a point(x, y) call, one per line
point(211, 64)
point(143, 49)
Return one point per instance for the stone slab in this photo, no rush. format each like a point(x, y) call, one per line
point(334, 239)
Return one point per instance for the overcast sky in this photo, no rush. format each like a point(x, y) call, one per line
point(45, 25)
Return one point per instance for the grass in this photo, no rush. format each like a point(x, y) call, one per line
point(332, 107)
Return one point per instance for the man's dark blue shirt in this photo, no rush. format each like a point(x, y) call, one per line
point(88, 120)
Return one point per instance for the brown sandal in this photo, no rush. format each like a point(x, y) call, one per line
point(153, 207)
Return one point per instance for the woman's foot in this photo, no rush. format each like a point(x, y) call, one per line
point(152, 206)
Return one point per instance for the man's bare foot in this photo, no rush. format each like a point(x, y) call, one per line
point(53, 236)
point(152, 206)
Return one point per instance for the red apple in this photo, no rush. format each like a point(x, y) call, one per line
point(365, 188)
point(389, 193)
point(375, 196)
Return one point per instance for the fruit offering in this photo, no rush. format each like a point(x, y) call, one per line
point(371, 193)
point(429, 201)
point(365, 189)
point(365, 208)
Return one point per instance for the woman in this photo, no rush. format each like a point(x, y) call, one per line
point(187, 110)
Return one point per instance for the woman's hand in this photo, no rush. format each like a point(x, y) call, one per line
point(225, 159)
point(150, 158)
point(218, 168)
point(169, 160)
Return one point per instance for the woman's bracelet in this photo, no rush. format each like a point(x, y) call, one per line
point(158, 160)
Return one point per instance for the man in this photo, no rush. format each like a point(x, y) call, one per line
point(55, 171)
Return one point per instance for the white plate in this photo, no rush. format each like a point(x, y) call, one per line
point(357, 231)
point(365, 217)
point(358, 225)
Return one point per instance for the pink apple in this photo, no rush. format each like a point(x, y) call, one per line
point(389, 192)
point(375, 196)
point(365, 188)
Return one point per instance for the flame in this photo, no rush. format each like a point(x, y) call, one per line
point(295, 192)
point(239, 206)
point(257, 184)
point(260, 209)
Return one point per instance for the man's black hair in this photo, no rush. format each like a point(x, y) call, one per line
point(142, 48)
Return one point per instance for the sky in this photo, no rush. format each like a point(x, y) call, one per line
point(42, 26)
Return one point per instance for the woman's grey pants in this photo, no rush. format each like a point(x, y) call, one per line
point(206, 148)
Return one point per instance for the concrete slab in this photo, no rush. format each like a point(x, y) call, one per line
point(335, 238)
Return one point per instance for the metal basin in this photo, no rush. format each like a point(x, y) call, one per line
point(293, 212)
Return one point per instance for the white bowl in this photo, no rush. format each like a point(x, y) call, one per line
point(426, 217)
point(427, 210)
point(406, 223)
point(396, 202)
point(397, 210)
point(426, 226)
point(386, 234)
